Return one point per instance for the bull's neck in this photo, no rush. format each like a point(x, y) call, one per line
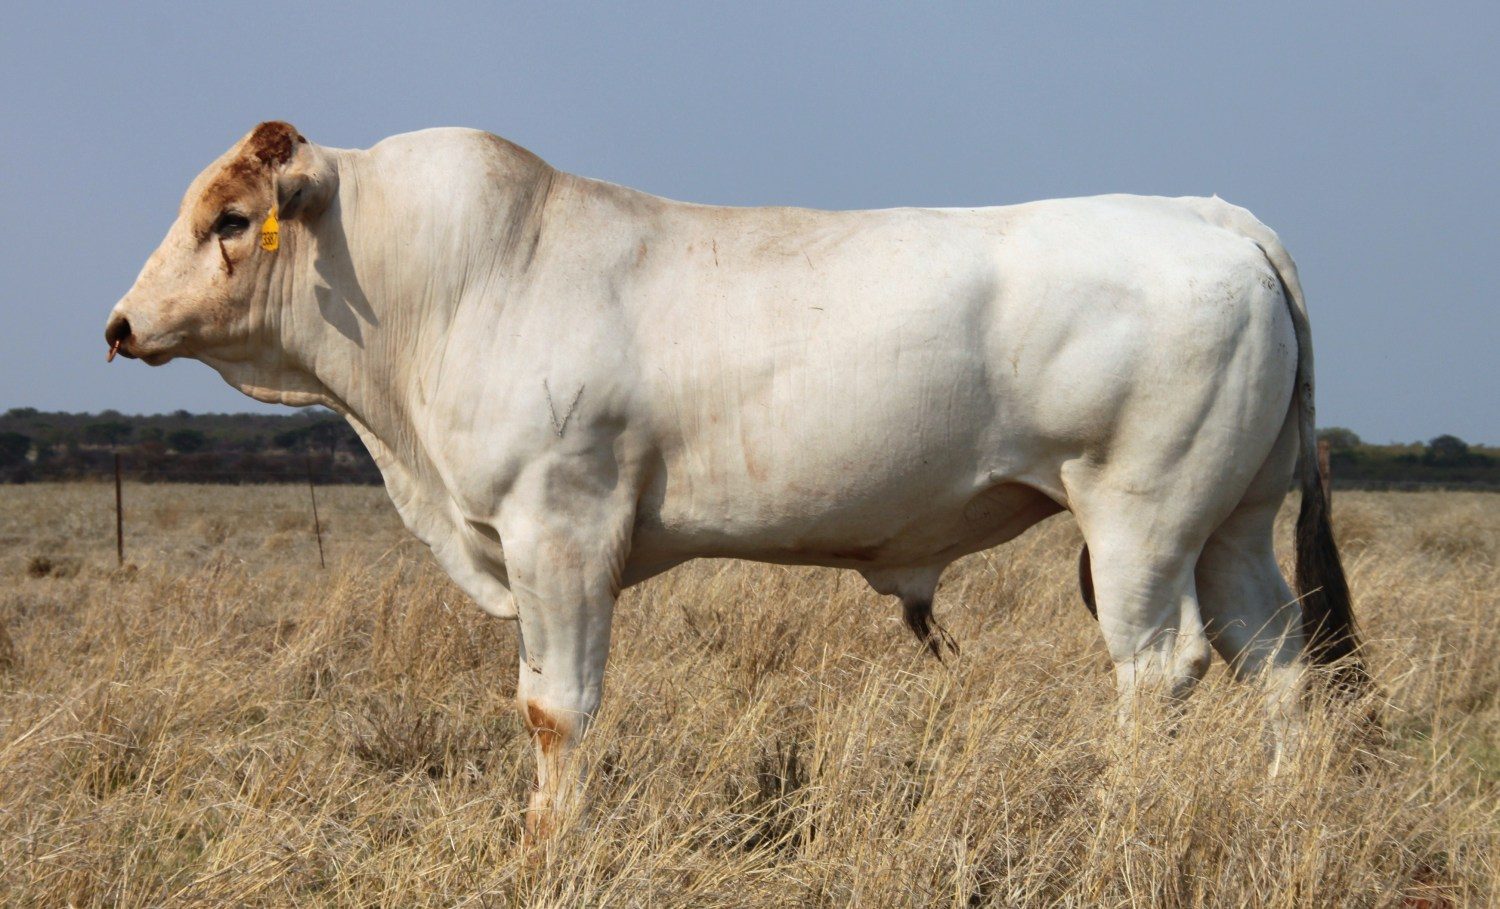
point(375, 283)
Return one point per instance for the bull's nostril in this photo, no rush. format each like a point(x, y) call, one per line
point(118, 330)
point(115, 334)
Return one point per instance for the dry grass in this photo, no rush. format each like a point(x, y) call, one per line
point(224, 724)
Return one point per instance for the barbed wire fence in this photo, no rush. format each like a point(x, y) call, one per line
point(309, 471)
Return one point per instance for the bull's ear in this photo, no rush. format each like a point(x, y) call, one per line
point(306, 182)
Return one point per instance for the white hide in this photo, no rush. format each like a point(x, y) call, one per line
point(570, 386)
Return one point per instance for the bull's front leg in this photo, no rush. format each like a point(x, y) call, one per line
point(564, 568)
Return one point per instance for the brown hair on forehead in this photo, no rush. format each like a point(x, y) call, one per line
point(269, 145)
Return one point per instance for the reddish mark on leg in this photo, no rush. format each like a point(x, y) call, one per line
point(547, 729)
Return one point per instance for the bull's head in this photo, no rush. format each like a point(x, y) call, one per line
point(204, 291)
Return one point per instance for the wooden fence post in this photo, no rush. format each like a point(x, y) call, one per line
point(317, 525)
point(119, 516)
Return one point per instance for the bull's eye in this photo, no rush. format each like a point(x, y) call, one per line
point(231, 224)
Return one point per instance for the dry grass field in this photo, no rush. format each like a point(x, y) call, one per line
point(223, 723)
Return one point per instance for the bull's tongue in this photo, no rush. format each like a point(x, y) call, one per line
point(113, 349)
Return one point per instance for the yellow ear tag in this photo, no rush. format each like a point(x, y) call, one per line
point(270, 233)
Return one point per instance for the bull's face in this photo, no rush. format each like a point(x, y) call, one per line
point(204, 289)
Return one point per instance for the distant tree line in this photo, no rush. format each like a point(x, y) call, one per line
point(1443, 462)
point(182, 447)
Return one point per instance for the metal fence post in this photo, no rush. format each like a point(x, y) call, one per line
point(119, 516)
point(317, 524)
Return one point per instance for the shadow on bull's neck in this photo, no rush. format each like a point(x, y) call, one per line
point(341, 300)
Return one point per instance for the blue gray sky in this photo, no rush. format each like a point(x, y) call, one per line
point(1364, 133)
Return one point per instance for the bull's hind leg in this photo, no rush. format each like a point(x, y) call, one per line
point(1252, 617)
point(1148, 612)
point(1141, 556)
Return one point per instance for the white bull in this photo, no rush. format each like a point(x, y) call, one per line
point(570, 386)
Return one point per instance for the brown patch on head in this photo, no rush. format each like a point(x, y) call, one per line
point(549, 730)
point(236, 182)
point(245, 177)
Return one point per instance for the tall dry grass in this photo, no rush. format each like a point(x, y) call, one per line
point(221, 723)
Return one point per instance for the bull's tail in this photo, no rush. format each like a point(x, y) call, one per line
point(1327, 615)
point(1328, 627)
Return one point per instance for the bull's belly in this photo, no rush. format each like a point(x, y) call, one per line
point(920, 519)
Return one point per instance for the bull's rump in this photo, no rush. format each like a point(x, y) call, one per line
point(863, 385)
